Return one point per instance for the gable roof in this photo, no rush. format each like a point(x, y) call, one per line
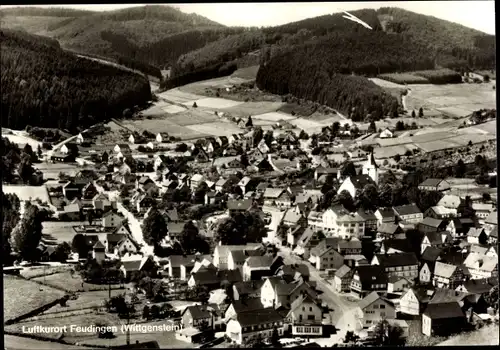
point(386, 213)
point(399, 259)
point(229, 275)
point(198, 311)
point(409, 209)
point(479, 286)
point(388, 228)
point(443, 311)
point(492, 218)
point(431, 254)
point(343, 271)
point(259, 261)
point(475, 232)
point(431, 222)
point(371, 274)
point(257, 317)
point(431, 182)
point(273, 192)
point(435, 238)
point(368, 300)
point(248, 287)
point(444, 270)
point(247, 304)
point(360, 181)
point(481, 262)
point(402, 245)
point(450, 201)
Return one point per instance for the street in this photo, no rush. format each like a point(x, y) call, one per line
point(344, 318)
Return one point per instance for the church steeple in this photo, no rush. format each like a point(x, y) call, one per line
point(370, 168)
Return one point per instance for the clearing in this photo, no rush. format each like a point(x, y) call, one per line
point(21, 138)
point(56, 232)
point(72, 282)
point(28, 193)
point(22, 296)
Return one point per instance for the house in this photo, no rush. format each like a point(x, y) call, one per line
point(385, 216)
point(246, 184)
point(442, 319)
point(254, 324)
point(330, 172)
point(395, 246)
point(373, 308)
point(386, 133)
point(89, 191)
point(294, 234)
point(71, 212)
point(493, 237)
point(481, 266)
point(238, 206)
point(205, 277)
point(415, 300)
point(482, 210)
point(71, 190)
point(478, 286)
point(450, 201)
point(448, 276)
point(272, 196)
point(371, 169)
point(198, 316)
point(196, 180)
point(293, 273)
point(144, 183)
point(174, 263)
point(400, 264)
point(221, 253)
point(277, 293)
point(237, 258)
point(112, 219)
point(429, 224)
point(484, 250)
point(355, 184)
point(409, 214)
point(440, 212)
point(389, 230)
point(293, 218)
point(367, 279)
point(247, 290)
point(256, 267)
point(438, 185)
point(325, 257)
point(125, 245)
point(242, 305)
point(349, 247)
point(343, 278)
point(477, 236)
point(307, 240)
point(129, 267)
point(201, 155)
point(122, 148)
point(435, 239)
point(491, 222)
point(305, 317)
point(369, 219)
point(398, 284)
point(101, 202)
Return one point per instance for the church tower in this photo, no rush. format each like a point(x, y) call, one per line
point(370, 168)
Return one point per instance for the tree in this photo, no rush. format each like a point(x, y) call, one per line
point(9, 217)
point(420, 113)
point(413, 114)
point(397, 158)
point(244, 160)
point(345, 199)
point(195, 105)
point(459, 169)
point(275, 338)
point(369, 197)
point(241, 228)
point(39, 151)
point(303, 135)
point(386, 334)
point(249, 123)
point(400, 126)
point(27, 234)
point(190, 238)
point(373, 127)
point(486, 197)
point(154, 227)
point(145, 312)
point(492, 298)
point(79, 245)
point(350, 337)
point(181, 147)
point(348, 170)
point(258, 134)
point(62, 251)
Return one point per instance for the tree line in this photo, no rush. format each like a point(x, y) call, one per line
point(45, 86)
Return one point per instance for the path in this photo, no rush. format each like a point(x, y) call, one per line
point(344, 318)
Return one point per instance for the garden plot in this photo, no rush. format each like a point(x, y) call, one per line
point(172, 109)
point(215, 129)
point(274, 116)
point(28, 193)
point(179, 96)
point(214, 103)
point(438, 145)
point(22, 296)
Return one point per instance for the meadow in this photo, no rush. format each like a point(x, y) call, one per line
point(28, 193)
point(22, 296)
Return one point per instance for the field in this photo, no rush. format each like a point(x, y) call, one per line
point(22, 296)
point(403, 78)
point(28, 193)
point(52, 170)
point(214, 103)
point(246, 73)
point(487, 335)
point(21, 138)
point(13, 342)
point(59, 231)
point(66, 281)
point(253, 108)
point(31, 24)
point(273, 116)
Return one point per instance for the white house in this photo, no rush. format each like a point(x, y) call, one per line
point(386, 134)
point(131, 139)
point(111, 219)
point(254, 324)
point(374, 308)
point(305, 317)
point(125, 246)
point(481, 266)
point(370, 168)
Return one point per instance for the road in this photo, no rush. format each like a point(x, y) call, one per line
point(343, 316)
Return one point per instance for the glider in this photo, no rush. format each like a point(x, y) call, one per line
point(356, 19)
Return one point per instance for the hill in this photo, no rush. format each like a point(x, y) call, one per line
point(149, 35)
point(46, 86)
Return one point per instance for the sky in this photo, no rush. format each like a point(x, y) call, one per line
point(479, 15)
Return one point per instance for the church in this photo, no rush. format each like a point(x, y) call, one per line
point(355, 184)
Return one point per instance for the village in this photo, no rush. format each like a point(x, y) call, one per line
point(259, 239)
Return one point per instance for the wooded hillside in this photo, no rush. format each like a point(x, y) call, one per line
point(43, 85)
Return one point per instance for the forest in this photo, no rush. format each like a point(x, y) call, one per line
point(48, 87)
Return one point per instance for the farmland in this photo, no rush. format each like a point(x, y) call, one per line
point(21, 138)
point(73, 283)
point(59, 231)
point(403, 78)
point(32, 296)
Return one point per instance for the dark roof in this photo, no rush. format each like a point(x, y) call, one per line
point(444, 295)
point(209, 276)
point(198, 311)
point(398, 244)
point(360, 181)
point(172, 214)
point(371, 274)
point(434, 237)
point(389, 228)
point(189, 260)
point(248, 287)
point(423, 294)
point(247, 304)
point(386, 212)
point(323, 170)
point(452, 257)
point(175, 227)
point(257, 317)
point(99, 245)
point(229, 275)
point(399, 259)
point(479, 286)
point(431, 254)
point(408, 209)
point(349, 244)
point(444, 310)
